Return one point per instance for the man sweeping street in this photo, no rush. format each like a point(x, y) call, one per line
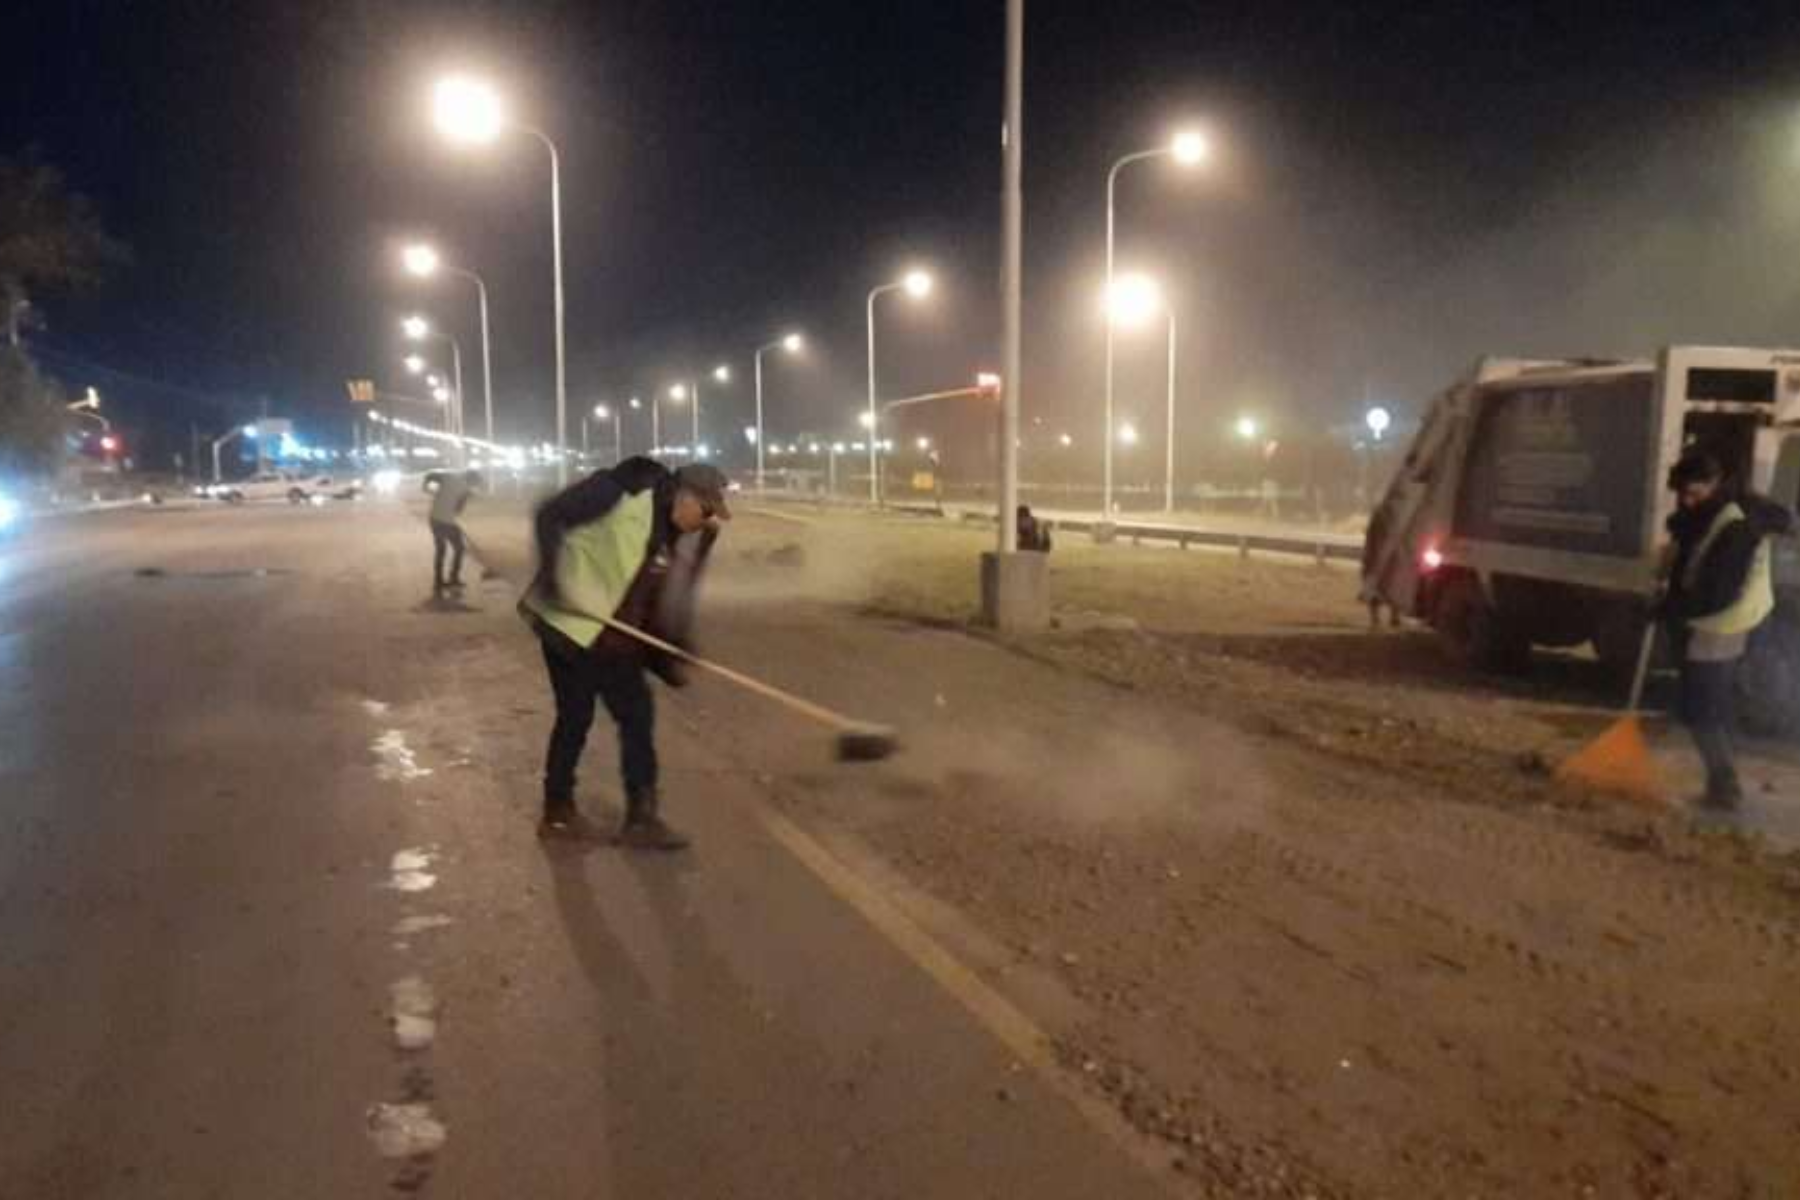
point(450, 492)
point(626, 545)
point(1720, 588)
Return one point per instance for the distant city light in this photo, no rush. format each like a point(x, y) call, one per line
point(923, 443)
point(866, 420)
point(1128, 434)
point(722, 373)
point(414, 363)
point(1065, 440)
point(415, 327)
point(1247, 428)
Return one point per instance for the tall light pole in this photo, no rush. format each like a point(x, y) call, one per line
point(423, 261)
point(219, 443)
point(618, 419)
point(792, 343)
point(681, 393)
point(1169, 444)
point(1190, 149)
point(1131, 301)
point(916, 284)
point(418, 329)
point(469, 111)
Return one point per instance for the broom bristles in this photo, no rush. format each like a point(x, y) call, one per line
point(1619, 762)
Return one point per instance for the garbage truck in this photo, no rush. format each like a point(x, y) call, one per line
point(1530, 507)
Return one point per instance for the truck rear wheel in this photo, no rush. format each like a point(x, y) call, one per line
point(1477, 634)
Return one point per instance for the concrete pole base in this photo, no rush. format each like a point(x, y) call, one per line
point(1015, 591)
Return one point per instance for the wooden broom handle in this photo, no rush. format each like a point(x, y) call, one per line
point(807, 708)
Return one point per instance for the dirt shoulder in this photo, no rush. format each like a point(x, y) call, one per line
point(1365, 947)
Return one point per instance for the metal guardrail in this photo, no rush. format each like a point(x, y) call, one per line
point(1321, 546)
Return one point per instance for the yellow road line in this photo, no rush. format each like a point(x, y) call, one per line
point(994, 1012)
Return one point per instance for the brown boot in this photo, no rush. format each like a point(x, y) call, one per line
point(644, 829)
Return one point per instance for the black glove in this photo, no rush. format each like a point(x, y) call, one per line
point(669, 669)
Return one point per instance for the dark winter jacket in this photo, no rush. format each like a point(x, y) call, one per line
point(1727, 562)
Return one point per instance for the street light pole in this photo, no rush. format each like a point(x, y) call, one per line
point(791, 343)
point(757, 359)
point(874, 462)
point(1169, 444)
point(556, 246)
point(487, 361)
point(916, 284)
point(1012, 212)
point(1189, 149)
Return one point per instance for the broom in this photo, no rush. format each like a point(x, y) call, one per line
point(857, 741)
point(1619, 761)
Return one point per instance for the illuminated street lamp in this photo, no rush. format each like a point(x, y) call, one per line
point(792, 344)
point(617, 416)
point(1247, 428)
point(414, 363)
point(1378, 420)
point(219, 443)
point(916, 284)
point(1189, 149)
point(469, 111)
point(1131, 301)
point(418, 329)
point(423, 260)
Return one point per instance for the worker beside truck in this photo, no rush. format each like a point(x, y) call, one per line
point(1565, 503)
point(1719, 588)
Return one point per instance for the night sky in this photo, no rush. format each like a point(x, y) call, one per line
point(1394, 193)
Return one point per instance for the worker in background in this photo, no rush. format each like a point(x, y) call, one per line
point(1720, 587)
point(450, 492)
point(1033, 533)
point(625, 545)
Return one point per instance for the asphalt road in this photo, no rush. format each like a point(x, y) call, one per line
point(274, 921)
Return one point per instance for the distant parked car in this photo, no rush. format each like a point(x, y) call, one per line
point(291, 486)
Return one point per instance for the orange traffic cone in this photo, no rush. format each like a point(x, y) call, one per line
point(1619, 760)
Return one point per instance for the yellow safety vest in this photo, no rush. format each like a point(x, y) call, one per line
point(594, 570)
point(1757, 599)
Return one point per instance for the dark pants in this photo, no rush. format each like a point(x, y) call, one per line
point(446, 537)
point(618, 681)
point(1706, 708)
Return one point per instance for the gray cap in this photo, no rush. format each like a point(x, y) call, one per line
point(709, 484)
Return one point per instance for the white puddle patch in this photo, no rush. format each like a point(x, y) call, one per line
point(405, 1130)
point(375, 708)
point(411, 871)
point(394, 759)
point(415, 1013)
point(412, 926)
